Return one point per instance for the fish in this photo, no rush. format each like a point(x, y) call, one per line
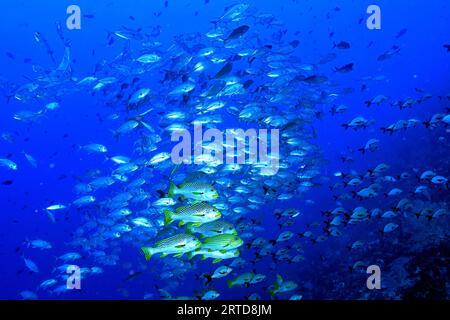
point(216, 255)
point(345, 68)
point(149, 58)
point(222, 242)
point(94, 148)
point(177, 245)
point(212, 228)
point(282, 286)
point(220, 272)
point(31, 265)
point(238, 32)
point(38, 244)
point(30, 159)
point(241, 280)
point(200, 191)
point(8, 164)
point(342, 45)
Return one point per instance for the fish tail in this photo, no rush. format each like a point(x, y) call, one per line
point(147, 252)
point(230, 284)
point(215, 22)
point(167, 217)
point(208, 278)
point(190, 255)
point(172, 190)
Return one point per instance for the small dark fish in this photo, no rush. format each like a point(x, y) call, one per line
point(133, 275)
point(131, 18)
point(166, 3)
point(7, 182)
point(226, 69)
point(294, 44)
point(342, 45)
point(247, 84)
point(239, 31)
point(89, 16)
point(401, 33)
point(27, 60)
point(447, 46)
point(315, 79)
point(389, 54)
point(59, 31)
point(345, 68)
point(10, 55)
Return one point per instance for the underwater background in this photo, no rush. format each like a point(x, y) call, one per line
point(364, 148)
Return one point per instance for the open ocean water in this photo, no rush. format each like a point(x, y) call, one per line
point(198, 149)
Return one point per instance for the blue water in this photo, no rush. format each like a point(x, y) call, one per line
point(54, 142)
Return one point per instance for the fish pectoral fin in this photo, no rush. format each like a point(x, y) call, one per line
point(163, 255)
point(178, 255)
point(181, 223)
point(217, 260)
